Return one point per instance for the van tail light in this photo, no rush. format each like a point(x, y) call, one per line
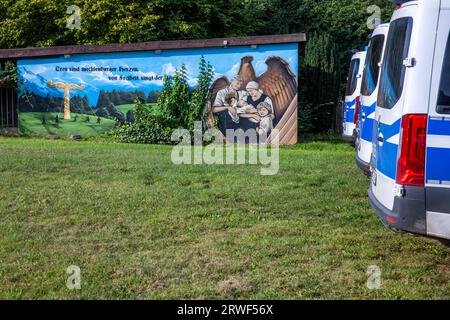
point(358, 105)
point(411, 163)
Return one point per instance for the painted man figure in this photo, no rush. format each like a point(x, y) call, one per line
point(227, 114)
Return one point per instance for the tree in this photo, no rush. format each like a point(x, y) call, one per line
point(130, 116)
point(320, 71)
point(153, 96)
point(174, 103)
point(102, 103)
point(114, 113)
point(201, 94)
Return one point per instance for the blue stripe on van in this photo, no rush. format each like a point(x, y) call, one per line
point(385, 165)
point(438, 160)
point(350, 113)
point(387, 153)
point(439, 126)
point(367, 126)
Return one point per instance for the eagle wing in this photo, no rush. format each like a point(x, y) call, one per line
point(279, 83)
point(246, 71)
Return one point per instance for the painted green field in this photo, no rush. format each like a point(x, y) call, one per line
point(140, 227)
point(124, 108)
point(31, 124)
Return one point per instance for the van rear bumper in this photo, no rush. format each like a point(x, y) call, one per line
point(350, 139)
point(365, 167)
point(409, 213)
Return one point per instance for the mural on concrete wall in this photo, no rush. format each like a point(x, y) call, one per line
point(254, 88)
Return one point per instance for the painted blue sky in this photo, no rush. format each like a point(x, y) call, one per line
point(226, 61)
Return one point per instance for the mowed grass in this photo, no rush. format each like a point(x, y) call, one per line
point(31, 124)
point(140, 227)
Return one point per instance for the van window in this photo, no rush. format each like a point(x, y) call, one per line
point(393, 71)
point(444, 88)
point(371, 70)
point(352, 77)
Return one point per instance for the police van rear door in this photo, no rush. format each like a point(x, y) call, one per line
point(389, 108)
point(437, 175)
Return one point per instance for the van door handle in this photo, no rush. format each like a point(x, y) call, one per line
point(380, 139)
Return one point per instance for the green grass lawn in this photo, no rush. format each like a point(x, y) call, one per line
point(31, 124)
point(140, 227)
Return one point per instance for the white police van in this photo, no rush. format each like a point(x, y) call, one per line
point(369, 94)
point(410, 187)
point(352, 98)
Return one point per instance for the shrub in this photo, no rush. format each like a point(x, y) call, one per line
point(147, 127)
point(179, 106)
point(8, 76)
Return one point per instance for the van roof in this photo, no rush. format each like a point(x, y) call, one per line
point(404, 2)
point(381, 29)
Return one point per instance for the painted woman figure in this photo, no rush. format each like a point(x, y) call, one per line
point(254, 98)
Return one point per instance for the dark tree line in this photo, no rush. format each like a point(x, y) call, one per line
point(118, 97)
point(153, 96)
point(31, 102)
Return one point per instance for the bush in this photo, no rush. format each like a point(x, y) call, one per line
point(8, 76)
point(179, 106)
point(147, 127)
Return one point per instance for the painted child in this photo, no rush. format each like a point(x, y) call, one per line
point(232, 101)
point(266, 119)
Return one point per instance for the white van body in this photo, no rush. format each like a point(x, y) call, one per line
point(410, 187)
point(369, 94)
point(352, 95)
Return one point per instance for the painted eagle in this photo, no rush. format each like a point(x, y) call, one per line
point(279, 83)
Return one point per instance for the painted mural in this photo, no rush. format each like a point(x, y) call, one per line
point(253, 88)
